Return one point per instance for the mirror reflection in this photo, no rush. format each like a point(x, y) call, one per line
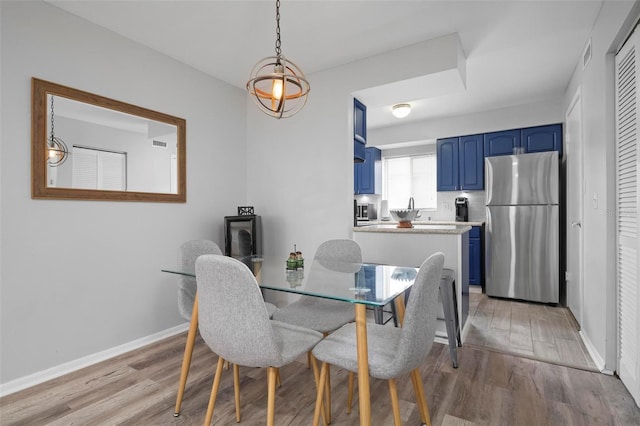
point(108, 149)
point(90, 147)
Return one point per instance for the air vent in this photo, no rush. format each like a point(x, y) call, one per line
point(159, 144)
point(586, 55)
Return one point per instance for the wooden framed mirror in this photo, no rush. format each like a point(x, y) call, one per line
point(88, 147)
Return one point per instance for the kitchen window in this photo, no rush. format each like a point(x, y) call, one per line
point(410, 176)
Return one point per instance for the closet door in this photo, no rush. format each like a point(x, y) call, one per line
point(628, 246)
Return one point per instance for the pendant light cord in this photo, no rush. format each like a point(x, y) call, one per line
point(278, 43)
point(52, 137)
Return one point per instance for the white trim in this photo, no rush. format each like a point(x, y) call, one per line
point(593, 353)
point(71, 366)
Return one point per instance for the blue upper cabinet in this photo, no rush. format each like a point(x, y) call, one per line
point(471, 159)
point(359, 130)
point(542, 138)
point(359, 121)
point(460, 163)
point(501, 143)
point(530, 139)
point(448, 161)
point(367, 176)
point(359, 152)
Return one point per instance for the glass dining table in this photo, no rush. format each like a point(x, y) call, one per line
point(360, 284)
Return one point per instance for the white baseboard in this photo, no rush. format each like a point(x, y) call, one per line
point(68, 367)
point(593, 353)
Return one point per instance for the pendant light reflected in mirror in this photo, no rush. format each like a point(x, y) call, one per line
point(56, 147)
point(278, 86)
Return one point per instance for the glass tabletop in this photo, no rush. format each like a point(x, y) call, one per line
point(369, 284)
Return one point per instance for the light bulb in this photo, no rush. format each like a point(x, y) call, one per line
point(276, 89)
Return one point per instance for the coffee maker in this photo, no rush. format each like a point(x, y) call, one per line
point(462, 209)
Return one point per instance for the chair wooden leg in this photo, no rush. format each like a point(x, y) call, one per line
point(327, 400)
point(236, 389)
point(186, 359)
point(421, 399)
point(271, 395)
point(278, 382)
point(214, 393)
point(316, 376)
point(395, 406)
point(350, 392)
point(320, 393)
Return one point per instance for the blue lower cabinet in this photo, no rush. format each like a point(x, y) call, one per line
point(542, 138)
point(475, 256)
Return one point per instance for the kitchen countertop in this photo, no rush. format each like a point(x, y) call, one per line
point(418, 228)
point(419, 222)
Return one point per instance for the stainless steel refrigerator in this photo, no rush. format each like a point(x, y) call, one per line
point(523, 227)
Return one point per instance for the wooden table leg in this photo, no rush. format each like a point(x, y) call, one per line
point(399, 303)
point(188, 352)
point(364, 396)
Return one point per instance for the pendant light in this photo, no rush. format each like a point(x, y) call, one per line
point(58, 151)
point(278, 86)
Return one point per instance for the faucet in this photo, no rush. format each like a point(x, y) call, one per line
point(411, 204)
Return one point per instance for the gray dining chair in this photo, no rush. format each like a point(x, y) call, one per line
point(188, 252)
point(234, 322)
point(324, 315)
point(318, 314)
point(392, 351)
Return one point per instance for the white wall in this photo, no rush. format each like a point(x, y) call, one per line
point(596, 84)
point(81, 277)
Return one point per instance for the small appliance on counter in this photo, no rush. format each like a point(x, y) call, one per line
point(366, 211)
point(462, 209)
point(384, 210)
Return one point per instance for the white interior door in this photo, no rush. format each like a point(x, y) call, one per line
point(628, 199)
point(575, 196)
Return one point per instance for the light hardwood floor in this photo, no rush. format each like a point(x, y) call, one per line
point(488, 388)
point(534, 330)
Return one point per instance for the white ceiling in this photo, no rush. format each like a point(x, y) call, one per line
point(517, 51)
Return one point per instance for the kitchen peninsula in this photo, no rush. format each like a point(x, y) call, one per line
point(385, 243)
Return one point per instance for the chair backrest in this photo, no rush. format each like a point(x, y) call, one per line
point(233, 318)
point(187, 255)
point(344, 250)
point(341, 255)
point(419, 326)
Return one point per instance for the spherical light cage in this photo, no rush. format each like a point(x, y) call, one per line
point(58, 151)
point(291, 96)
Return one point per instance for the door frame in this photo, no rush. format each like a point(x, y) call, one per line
point(569, 152)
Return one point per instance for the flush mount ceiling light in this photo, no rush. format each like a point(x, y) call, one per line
point(401, 110)
point(58, 151)
point(278, 86)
